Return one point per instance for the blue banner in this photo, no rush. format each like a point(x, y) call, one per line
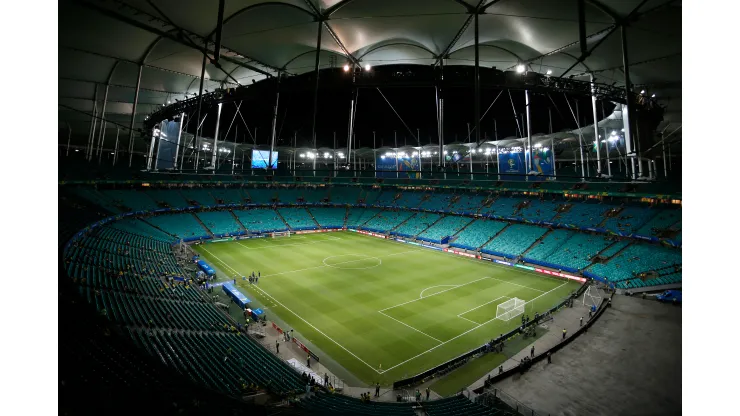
point(407, 164)
point(512, 163)
point(542, 161)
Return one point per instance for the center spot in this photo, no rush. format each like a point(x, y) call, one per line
point(352, 261)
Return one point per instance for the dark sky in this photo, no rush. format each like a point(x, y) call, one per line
point(415, 105)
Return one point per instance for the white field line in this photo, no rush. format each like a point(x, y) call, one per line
point(316, 329)
point(500, 266)
point(298, 316)
point(409, 326)
point(435, 294)
point(480, 306)
point(469, 320)
point(464, 333)
point(517, 284)
point(269, 247)
point(421, 295)
point(341, 262)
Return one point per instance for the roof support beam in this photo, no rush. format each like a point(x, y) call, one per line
point(203, 49)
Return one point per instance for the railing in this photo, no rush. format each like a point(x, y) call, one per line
point(494, 397)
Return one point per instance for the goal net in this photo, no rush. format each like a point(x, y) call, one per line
point(280, 234)
point(593, 296)
point(510, 309)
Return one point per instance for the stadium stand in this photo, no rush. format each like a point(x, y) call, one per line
point(615, 248)
point(629, 219)
point(416, 224)
point(168, 197)
point(220, 222)
point(385, 198)
point(96, 198)
point(370, 197)
point(358, 216)
point(445, 227)
point(387, 220)
point(438, 201)
point(637, 258)
point(260, 195)
point(315, 195)
point(289, 195)
point(514, 240)
point(140, 228)
point(329, 217)
point(569, 250)
point(345, 194)
point(540, 210)
point(582, 214)
point(410, 199)
point(478, 233)
point(179, 225)
point(502, 206)
point(196, 196)
point(134, 200)
point(457, 405)
point(260, 220)
point(297, 218)
point(228, 196)
point(323, 403)
point(663, 220)
point(467, 203)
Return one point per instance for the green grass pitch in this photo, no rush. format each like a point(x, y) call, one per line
point(382, 309)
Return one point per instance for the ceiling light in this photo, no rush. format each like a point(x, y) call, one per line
point(367, 67)
point(642, 92)
point(346, 67)
point(549, 72)
point(520, 68)
point(653, 95)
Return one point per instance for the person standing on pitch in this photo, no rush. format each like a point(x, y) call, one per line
point(377, 389)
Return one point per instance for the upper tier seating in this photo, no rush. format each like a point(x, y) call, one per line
point(345, 194)
point(614, 248)
point(139, 227)
point(438, 201)
point(468, 203)
point(329, 217)
point(315, 196)
point(387, 220)
point(179, 225)
point(540, 210)
point(664, 219)
point(445, 227)
point(220, 222)
point(289, 195)
point(357, 216)
point(568, 248)
point(135, 200)
point(637, 258)
point(630, 219)
point(260, 219)
point(260, 195)
point(199, 196)
point(410, 199)
point(370, 197)
point(515, 239)
point(170, 197)
point(477, 234)
point(503, 206)
point(386, 198)
point(98, 198)
point(583, 214)
point(297, 218)
point(417, 223)
point(228, 196)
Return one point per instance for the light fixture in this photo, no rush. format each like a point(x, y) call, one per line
point(642, 92)
point(168, 101)
point(77, 150)
point(346, 67)
point(520, 69)
point(622, 130)
point(367, 67)
point(549, 72)
point(653, 96)
point(614, 132)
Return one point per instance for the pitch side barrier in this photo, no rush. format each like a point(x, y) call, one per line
point(422, 377)
point(543, 355)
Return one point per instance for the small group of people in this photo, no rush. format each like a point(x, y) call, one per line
point(365, 397)
point(418, 394)
point(524, 364)
point(254, 278)
point(288, 335)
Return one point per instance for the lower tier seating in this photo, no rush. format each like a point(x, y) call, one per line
point(179, 225)
point(478, 233)
point(329, 217)
point(514, 240)
point(220, 222)
point(260, 220)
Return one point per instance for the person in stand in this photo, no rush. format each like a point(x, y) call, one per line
point(427, 391)
point(326, 379)
point(581, 321)
point(531, 352)
point(308, 361)
point(377, 389)
point(277, 346)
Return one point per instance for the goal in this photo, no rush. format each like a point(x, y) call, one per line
point(510, 309)
point(280, 234)
point(593, 296)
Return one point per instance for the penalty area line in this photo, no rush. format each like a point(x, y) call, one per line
point(409, 326)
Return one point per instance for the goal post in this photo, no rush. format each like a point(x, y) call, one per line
point(280, 234)
point(510, 309)
point(593, 296)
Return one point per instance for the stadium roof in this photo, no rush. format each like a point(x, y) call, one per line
point(104, 43)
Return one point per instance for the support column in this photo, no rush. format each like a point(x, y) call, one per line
point(179, 136)
point(606, 145)
point(274, 124)
point(665, 166)
point(197, 120)
point(91, 134)
point(554, 165)
point(115, 149)
point(102, 123)
point(316, 88)
point(102, 142)
point(529, 134)
point(150, 155)
point(214, 157)
point(596, 127)
point(375, 156)
point(133, 118)
point(69, 137)
point(626, 116)
point(477, 89)
point(351, 126)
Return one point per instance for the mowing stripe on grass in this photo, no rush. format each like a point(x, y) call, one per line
point(466, 332)
point(409, 326)
point(275, 245)
point(435, 294)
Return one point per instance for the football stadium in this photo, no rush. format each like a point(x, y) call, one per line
point(361, 207)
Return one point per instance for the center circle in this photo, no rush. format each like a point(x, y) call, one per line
point(352, 261)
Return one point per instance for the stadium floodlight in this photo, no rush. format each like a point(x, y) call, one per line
point(622, 130)
point(520, 69)
point(302, 155)
point(510, 309)
point(642, 92)
point(614, 132)
point(346, 67)
point(613, 139)
point(653, 96)
point(367, 67)
point(538, 145)
point(549, 72)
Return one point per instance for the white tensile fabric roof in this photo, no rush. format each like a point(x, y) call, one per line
point(103, 42)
